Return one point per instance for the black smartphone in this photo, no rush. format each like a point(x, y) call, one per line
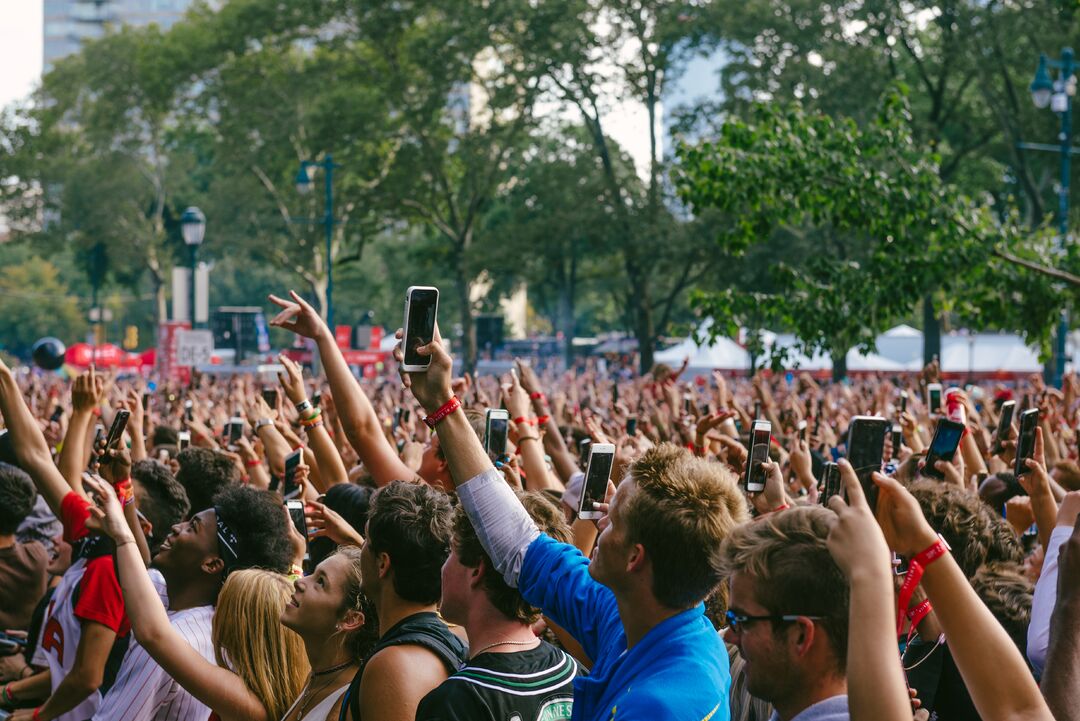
point(57, 414)
point(803, 430)
point(397, 420)
point(1004, 423)
point(933, 392)
point(316, 398)
point(406, 414)
point(583, 447)
point(865, 447)
point(270, 396)
point(943, 447)
point(183, 440)
point(903, 401)
point(754, 477)
point(631, 427)
point(757, 410)
point(189, 411)
point(597, 474)
point(146, 401)
point(897, 439)
point(830, 483)
point(496, 424)
point(290, 489)
point(1025, 443)
point(116, 430)
point(99, 435)
point(687, 404)
point(421, 308)
point(614, 392)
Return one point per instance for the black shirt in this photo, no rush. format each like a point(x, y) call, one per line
point(532, 685)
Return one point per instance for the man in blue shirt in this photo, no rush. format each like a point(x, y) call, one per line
point(637, 608)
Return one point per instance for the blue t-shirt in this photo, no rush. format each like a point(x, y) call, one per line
point(677, 672)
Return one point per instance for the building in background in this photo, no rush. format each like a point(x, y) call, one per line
point(69, 22)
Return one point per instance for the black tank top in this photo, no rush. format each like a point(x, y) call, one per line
point(420, 629)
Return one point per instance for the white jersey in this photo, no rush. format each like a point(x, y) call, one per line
point(144, 692)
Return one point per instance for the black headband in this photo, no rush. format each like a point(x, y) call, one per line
point(228, 544)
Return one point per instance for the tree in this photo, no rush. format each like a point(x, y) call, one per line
point(889, 226)
point(35, 302)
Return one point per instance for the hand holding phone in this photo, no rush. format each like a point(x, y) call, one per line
point(865, 449)
point(290, 488)
point(496, 425)
point(1025, 443)
point(754, 477)
point(597, 475)
point(943, 447)
point(421, 309)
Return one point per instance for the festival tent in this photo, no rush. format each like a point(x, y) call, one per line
point(721, 354)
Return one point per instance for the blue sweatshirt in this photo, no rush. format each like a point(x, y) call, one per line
point(677, 672)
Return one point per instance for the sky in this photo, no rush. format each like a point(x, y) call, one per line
point(20, 48)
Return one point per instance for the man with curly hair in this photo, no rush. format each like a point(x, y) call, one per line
point(203, 473)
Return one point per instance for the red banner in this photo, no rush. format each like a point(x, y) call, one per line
point(343, 336)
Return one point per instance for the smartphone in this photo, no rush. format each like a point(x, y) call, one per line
point(406, 414)
point(597, 475)
point(1025, 443)
point(754, 478)
point(296, 513)
point(687, 404)
point(583, 447)
point(316, 398)
point(189, 411)
point(421, 308)
point(270, 395)
point(943, 447)
point(933, 394)
point(803, 431)
point(146, 401)
point(116, 430)
point(831, 484)
point(496, 423)
point(903, 401)
point(57, 414)
point(290, 489)
point(897, 439)
point(397, 420)
point(235, 429)
point(183, 439)
point(631, 427)
point(757, 409)
point(865, 447)
point(1004, 422)
point(11, 645)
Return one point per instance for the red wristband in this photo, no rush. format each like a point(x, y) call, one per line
point(124, 493)
point(538, 396)
point(253, 462)
point(521, 420)
point(914, 574)
point(37, 714)
point(447, 408)
point(543, 420)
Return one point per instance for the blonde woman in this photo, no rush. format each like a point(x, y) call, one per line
point(264, 663)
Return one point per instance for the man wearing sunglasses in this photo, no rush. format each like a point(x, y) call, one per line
point(788, 614)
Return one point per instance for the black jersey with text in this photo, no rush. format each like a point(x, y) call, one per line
point(532, 685)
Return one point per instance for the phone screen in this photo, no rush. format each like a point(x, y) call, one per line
point(759, 453)
point(830, 482)
point(1004, 422)
point(145, 401)
point(270, 396)
point(296, 513)
point(935, 400)
point(1025, 444)
point(420, 325)
point(943, 446)
point(183, 439)
point(57, 415)
point(316, 398)
point(596, 477)
point(631, 427)
point(903, 401)
point(117, 428)
point(290, 488)
point(496, 435)
point(236, 429)
point(865, 446)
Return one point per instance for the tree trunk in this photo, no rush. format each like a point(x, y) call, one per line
point(839, 365)
point(468, 326)
point(644, 329)
point(931, 331)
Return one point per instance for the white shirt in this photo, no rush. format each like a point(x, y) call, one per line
point(1044, 600)
point(144, 692)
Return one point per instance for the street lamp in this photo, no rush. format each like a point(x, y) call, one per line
point(303, 186)
point(193, 228)
point(1058, 95)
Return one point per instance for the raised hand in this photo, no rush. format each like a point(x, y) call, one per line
point(107, 515)
point(856, 542)
point(292, 380)
point(431, 388)
point(901, 519)
point(323, 521)
point(298, 316)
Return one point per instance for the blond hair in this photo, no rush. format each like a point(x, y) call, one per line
point(683, 509)
point(249, 639)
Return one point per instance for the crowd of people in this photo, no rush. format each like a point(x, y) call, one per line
point(331, 548)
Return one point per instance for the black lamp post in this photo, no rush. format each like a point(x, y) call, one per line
point(303, 186)
point(193, 228)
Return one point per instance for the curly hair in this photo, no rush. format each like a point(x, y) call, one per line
point(259, 522)
point(681, 512)
point(362, 641)
point(793, 571)
point(969, 527)
point(203, 473)
point(548, 518)
point(162, 500)
point(410, 522)
point(17, 495)
point(1008, 594)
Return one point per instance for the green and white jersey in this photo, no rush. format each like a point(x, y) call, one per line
point(533, 685)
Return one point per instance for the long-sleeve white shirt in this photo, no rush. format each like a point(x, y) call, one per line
point(1042, 604)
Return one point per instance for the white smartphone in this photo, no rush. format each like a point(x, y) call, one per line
point(760, 434)
point(496, 424)
point(933, 398)
point(421, 309)
point(296, 513)
point(183, 440)
point(597, 475)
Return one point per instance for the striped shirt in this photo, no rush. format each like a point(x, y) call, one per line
point(144, 692)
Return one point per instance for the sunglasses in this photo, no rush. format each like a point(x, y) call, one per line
point(737, 620)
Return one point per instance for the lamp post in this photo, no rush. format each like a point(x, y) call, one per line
point(303, 186)
point(1058, 95)
point(193, 228)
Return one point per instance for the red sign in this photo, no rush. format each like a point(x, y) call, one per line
point(352, 357)
point(343, 336)
point(167, 350)
point(376, 337)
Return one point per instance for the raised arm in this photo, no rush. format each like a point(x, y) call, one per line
point(31, 448)
point(503, 525)
point(561, 458)
point(993, 670)
point(1062, 676)
point(86, 393)
point(528, 439)
point(327, 459)
point(1036, 481)
point(220, 689)
point(355, 411)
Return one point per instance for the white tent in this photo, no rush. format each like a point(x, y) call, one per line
point(722, 354)
point(987, 353)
